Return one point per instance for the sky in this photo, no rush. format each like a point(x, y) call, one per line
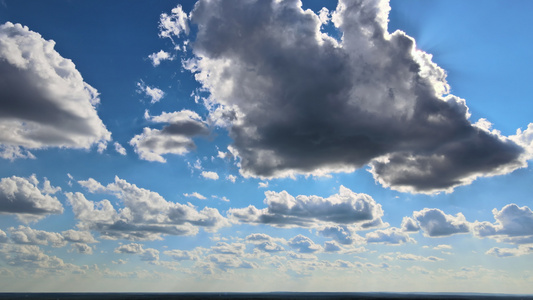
point(276, 145)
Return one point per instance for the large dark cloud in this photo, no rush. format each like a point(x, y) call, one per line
point(44, 101)
point(302, 102)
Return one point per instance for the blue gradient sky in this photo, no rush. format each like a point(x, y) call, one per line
point(127, 222)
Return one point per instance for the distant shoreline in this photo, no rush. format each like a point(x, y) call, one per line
point(271, 295)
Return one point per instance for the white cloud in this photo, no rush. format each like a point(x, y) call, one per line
point(120, 150)
point(435, 223)
point(51, 105)
point(20, 197)
point(209, 175)
point(284, 210)
point(195, 195)
point(3, 237)
point(174, 24)
point(509, 252)
point(304, 244)
point(371, 99)
point(514, 224)
point(82, 248)
point(392, 236)
point(409, 257)
point(231, 178)
point(160, 56)
point(263, 185)
point(409, 225)
point(78, 236)
point(146, 215)
point(154, 93)
point(27, 235)
point(173, 138)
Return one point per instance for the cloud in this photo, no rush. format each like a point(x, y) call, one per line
point(22, 197)
point(342, 234)
point(29, 236)
point(263, 185)
point(514, 224)
point(409, 257)
point(182, 254)
point(120, 150)
point(284, 210)
point(82, 248)
point(3, 237)
point(231, 178)
point(146, 215)
point(409, 225)
point(45, 102)
point(33, 259)
point(195, 195)
point(149, 254)
point(174, 24)
point(509, 252)
point(173, 138)
point(154, 93)
point(78, 236)
point(393, 236)
point(304, 244)
point(160, 56)
point(435, 223)
point(300, 102)
point(210, 175)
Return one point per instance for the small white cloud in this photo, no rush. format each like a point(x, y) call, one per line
point(263, 184)
point(120, 150)
point(195, 195)
point(154, 93)
point(160, 56)
point(231, 178)
point(210, 175)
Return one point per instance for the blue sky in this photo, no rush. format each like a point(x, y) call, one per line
point(265, 146)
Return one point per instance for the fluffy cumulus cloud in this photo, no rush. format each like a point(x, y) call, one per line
point(514, 224)
point(435, 223)
point(284, 210)
point(27, 235)
point(393, 236)
point(22, 197)
point(509, 252)
point(153, 93)
point(160, 56)
point(297, 101)
point(304, 244)
point(146, 215)
point(44, 101)
point(174, 138)
point(209, 175)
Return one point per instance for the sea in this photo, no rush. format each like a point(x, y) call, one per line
point(252, 296)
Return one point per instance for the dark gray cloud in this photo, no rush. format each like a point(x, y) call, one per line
point(44, 101)
point(304, 103)
point(146, 214)
point(435, 223)
point(284, 210)
point(23, 198)
point(513, 224)
point(173, 138)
